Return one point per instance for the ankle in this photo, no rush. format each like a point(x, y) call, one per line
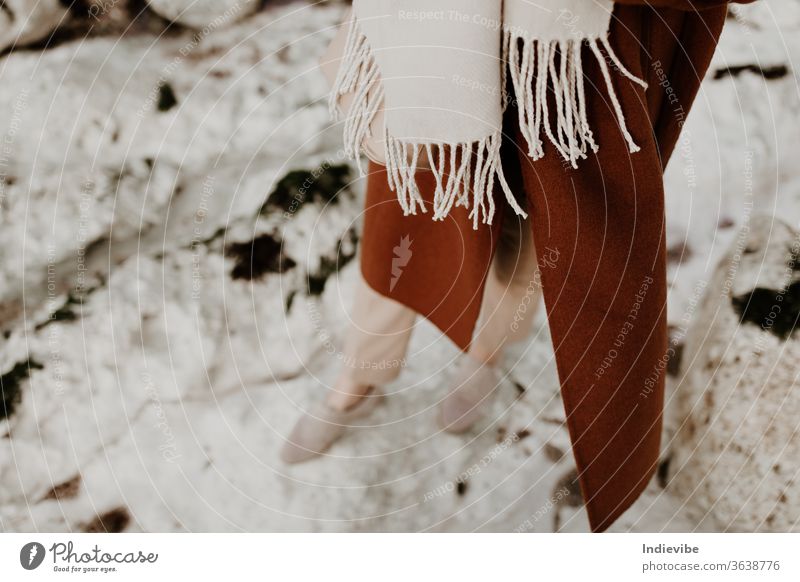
point(485, 358)
point(346, 395)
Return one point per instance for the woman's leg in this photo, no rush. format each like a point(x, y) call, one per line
point(375, 347)
point(512, 294)
point(511, 298)
point(374, 354)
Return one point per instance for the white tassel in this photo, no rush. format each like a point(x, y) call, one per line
point(632, 147)
point(615, 59)
point(587, 137)
point(504, 59)
point(534, 74)
point(456, 175)
point(358, 74)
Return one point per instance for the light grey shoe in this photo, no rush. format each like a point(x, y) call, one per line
point(474, 387)
point(318, 429)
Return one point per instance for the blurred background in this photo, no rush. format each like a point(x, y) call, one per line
point(178, 235)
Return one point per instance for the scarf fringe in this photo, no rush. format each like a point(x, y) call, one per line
point(543, 75)
point(465, 175)
point(358, 75)
point(451, 163)
point(542, 81)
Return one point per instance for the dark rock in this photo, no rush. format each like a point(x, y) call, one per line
point(570, 484)
point(258, 257)
point(566, 493)
point(769, 73)
point(674, 362)
point(114, 521)
point(331, 265)
point(521, 434)
point(519, 388)
point(64, 313)
point(553, 420)
point(553, 453)
point(679, 253)
point(662, 473)
point(290, 300)
point(776, 311)
point(11, 385)
point(66, 490)
point(300, 187)
point(166, 97)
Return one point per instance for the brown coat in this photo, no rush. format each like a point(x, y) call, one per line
point(606, 295)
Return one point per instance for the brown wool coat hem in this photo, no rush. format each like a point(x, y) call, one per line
point(606, 222)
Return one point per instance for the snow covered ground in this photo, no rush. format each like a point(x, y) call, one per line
point(151, 362)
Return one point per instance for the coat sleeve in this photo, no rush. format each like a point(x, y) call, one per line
point(692, 5)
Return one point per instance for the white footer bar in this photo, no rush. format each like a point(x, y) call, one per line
point(400, 557)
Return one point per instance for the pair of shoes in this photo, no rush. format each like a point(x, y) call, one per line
point(322, 426)
point(475, 386)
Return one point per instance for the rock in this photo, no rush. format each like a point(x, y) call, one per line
point(11, 385)
point(113, 521)
point(23, 22)
point(92, 18)
point(68, 489)
point(735, 452)
point(258, 257)
point(200, 14)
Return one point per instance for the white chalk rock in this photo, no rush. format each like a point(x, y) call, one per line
point(201, 14)
point(738, 403)
point(23, 21)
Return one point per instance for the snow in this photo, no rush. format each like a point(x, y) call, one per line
point(171, 388)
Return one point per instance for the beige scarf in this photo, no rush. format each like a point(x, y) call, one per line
point(424, 83)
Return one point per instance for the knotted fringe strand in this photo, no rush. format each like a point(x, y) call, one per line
point(465, 175)
point(550, 74)
point(358, 74)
